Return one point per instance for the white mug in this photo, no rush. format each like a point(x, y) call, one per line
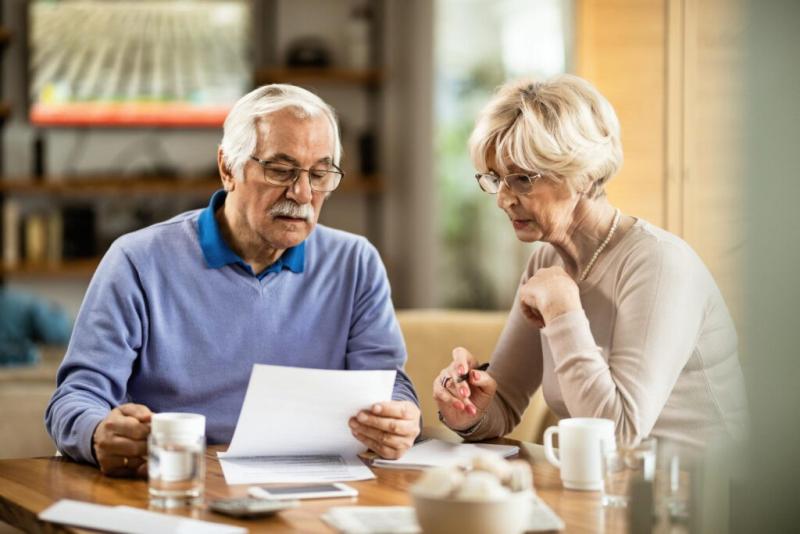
point(579, 448)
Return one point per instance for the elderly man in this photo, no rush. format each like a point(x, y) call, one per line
point(177, 314)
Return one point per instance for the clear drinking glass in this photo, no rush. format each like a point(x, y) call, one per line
point(176, 462)
point(672, 482)
point(624, 465)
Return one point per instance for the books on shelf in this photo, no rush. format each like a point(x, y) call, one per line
point(33, 235)
point(36, 238)
point(11, 246)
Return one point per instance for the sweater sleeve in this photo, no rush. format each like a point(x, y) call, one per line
point(516, 365)
point(375, 341)
point(659, 313)
point(108, 333)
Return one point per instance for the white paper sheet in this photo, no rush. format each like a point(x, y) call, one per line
point(294, 469)
point(293, 410)
point(373, 519)
point(129, 520)
point(435, 452)
point(298, 412)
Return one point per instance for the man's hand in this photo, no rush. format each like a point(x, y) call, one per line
point(389, 428)
point(120, 441)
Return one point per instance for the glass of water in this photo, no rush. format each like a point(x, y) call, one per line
point(176, 460)
point(622, 466)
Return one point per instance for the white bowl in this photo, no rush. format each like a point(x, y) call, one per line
point(448, 516)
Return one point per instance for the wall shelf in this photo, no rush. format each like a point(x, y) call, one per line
point(325, 75)
point(78, 268)
point(109, 185)
point(36, 206)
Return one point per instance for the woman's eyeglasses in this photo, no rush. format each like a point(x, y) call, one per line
point(517, 183)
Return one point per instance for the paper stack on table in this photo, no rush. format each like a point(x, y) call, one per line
point(293, 426)
point(435, 452)
point(373, 519)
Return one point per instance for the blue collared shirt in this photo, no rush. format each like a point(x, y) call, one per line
point(218, 254)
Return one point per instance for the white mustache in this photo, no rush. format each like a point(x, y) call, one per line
point(289, 208)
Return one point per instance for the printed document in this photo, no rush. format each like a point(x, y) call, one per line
point(293, 426)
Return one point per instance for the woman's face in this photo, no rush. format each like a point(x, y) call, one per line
point(544, 214)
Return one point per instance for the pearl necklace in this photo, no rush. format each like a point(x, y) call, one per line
point(602, 246)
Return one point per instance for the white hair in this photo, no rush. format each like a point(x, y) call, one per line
point(240, 137)
point(562, 127)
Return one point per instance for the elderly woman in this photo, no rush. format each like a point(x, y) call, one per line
point(614, 317)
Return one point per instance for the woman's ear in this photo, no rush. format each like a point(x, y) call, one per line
point(587, 189)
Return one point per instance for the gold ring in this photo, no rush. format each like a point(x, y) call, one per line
point(125, 461)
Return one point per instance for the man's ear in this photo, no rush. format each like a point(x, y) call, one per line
point(228, 181)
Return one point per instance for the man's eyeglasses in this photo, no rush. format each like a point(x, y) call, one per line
point(517, 183)
point(323, 179)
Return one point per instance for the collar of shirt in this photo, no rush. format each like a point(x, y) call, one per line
point(218, 254)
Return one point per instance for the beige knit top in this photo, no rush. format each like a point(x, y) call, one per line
point(654, 349)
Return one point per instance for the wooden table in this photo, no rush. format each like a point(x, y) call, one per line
point(29, 485)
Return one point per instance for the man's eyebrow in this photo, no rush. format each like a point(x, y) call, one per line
point(281, 156)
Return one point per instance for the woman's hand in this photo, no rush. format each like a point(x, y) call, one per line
point(550, 292)
point(462, 403)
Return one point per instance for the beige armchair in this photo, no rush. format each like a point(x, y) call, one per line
point(430, 337)
point(24, 394)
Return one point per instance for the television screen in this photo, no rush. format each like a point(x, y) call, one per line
point(137, 63)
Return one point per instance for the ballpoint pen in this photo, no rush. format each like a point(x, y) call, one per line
point(481, 367)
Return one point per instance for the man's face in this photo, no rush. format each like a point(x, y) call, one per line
point(269, 214)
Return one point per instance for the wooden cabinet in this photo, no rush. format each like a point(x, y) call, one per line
point(671, 69)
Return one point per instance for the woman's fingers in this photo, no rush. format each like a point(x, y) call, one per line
point(463, 361)
point(483, 384)
point(443, 391)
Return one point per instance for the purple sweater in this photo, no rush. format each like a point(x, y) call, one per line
point(162, 327)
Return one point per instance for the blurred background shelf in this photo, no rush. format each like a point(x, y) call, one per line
point(326, 75)
point(69, 189)
point(78, 268)
point(113, 185)
point(109, 185)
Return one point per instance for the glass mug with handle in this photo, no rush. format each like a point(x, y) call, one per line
point(581, 441)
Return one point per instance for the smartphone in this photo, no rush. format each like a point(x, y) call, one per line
point(244, 507)
point(316, 491)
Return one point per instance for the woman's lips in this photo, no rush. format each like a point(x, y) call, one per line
point(519, 224)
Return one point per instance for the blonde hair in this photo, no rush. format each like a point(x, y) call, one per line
point(562, 127)
point(239, 138)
